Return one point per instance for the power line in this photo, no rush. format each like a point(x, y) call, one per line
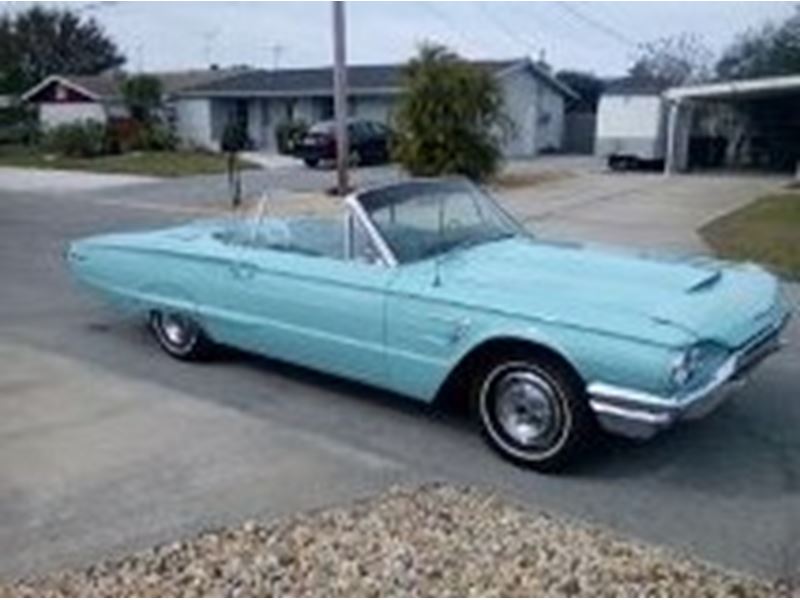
point(622, 38)
point(434, 10)
point(514, 36)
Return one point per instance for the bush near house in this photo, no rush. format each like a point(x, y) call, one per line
point(128, 135)
point(18, 125)
point(289, 133)
point(85, 139)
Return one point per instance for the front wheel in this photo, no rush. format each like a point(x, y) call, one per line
point(532, 411)
point(179, 335)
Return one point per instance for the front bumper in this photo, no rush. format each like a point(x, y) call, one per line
point(637, 414)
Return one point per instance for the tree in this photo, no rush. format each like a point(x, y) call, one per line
point(41, 41)
point(768, 51)
point(587, 85)
point(675, 60)
point(143, 96)
point(450, 119)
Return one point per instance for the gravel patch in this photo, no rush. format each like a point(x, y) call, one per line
point(437, 540)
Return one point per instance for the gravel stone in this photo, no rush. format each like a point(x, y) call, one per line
point(437, 540)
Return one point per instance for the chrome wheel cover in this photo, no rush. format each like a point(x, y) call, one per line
point(177, 331)
point(524, 411)
point(525, 407)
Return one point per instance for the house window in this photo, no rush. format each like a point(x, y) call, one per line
point(61, 93)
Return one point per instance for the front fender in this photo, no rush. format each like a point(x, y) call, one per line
point(592, 355)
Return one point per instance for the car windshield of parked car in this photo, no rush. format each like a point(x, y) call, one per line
point(421, 219)
point(323, 128)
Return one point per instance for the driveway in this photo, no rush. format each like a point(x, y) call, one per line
point(108, 446)
point(639, 209)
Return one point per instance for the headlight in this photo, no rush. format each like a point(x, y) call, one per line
point(684, 366)
point(696, 362)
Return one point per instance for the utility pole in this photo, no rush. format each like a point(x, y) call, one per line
point(340, 97)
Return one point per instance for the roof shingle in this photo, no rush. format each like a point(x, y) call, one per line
point(318, 79)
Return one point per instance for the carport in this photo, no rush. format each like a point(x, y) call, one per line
point(747, 124)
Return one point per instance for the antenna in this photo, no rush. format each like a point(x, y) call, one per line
point(437, 274)
point(277, 50)
point(209, 38)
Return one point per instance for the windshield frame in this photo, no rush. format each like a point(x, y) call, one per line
point(358, 202)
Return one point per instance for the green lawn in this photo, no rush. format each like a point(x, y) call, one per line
point(156, 164)
point(766, 231)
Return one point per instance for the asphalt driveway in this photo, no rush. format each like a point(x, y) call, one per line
point(107, 446)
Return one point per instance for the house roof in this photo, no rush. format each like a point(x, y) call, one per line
point(108, 86)
point(634, 86)
point(374, 79)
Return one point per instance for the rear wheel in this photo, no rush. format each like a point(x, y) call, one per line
point(532, 411)
point(179, 335)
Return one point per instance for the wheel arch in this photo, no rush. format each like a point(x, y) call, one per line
point(453, 388)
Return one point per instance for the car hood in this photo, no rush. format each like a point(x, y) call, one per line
point(635, 293)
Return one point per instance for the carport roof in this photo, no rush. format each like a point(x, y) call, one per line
point(744, 88)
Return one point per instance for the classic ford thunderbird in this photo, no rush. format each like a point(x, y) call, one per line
point(430, 289)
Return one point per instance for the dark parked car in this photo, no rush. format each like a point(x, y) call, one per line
point(369, 142)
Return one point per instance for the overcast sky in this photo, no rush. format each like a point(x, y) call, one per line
point(594, 36)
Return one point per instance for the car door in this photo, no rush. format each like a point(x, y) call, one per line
point(319, 311)
point(356, 140)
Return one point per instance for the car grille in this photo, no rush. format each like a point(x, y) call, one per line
point(764, 344)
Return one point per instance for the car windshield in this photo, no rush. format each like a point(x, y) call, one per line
point(421, 219)
point(323, 128)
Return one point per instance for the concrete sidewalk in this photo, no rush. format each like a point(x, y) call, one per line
point(95, 464)
point(17, 179)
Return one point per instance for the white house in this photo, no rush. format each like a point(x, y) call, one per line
point(263, 99)
point(71, 98)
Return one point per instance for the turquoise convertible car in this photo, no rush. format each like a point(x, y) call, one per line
point(429, 289)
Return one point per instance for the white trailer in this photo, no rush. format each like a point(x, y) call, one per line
point(631, 130)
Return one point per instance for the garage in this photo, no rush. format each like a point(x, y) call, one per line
point(751, 125)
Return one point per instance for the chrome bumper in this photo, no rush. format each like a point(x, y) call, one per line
point(637, 414)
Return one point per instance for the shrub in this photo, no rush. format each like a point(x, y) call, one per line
point(450, 119)
point(82, 140)
point(18, 125)
point(127, 135)
point(122, 135)
point(289, 133)
point(156, 138)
